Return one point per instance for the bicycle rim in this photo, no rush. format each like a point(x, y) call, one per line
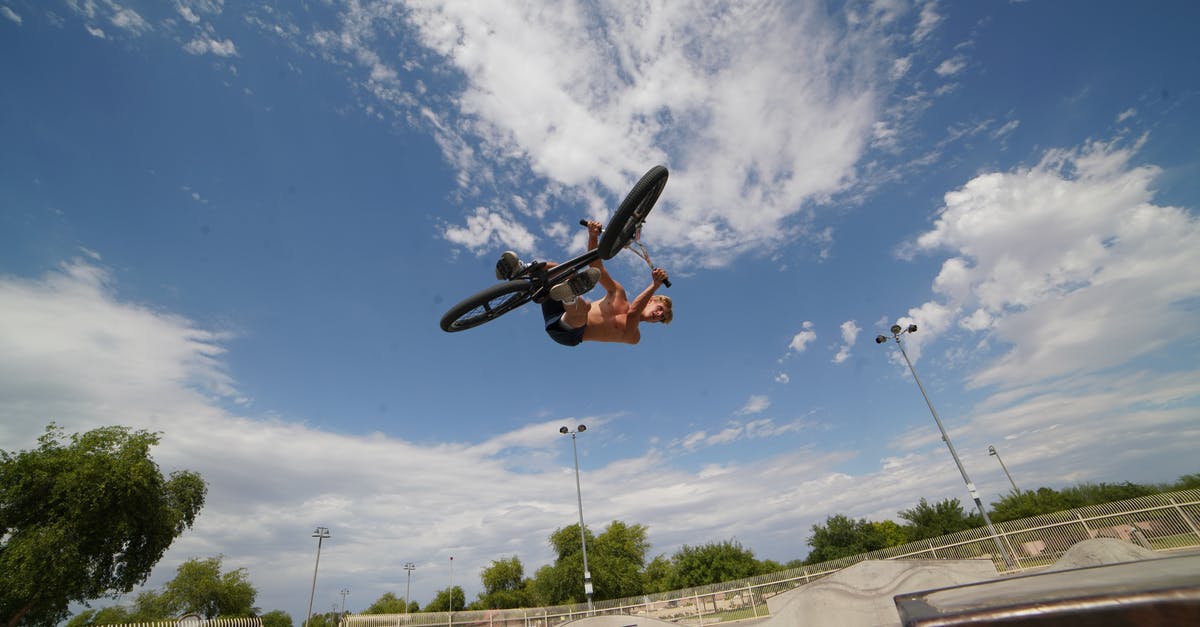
point(632, 212)
point(487, 305)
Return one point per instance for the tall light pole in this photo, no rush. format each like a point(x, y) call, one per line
point(409, 566)
point(344, 592)
point(897, 331)
point(587, 575)
point(320, 533)
point(992, 451)
point(451, 583)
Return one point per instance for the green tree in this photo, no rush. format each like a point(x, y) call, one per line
point(658, 575)
point(199, 587)
point(766, 567)
point(616, 560)
point(504, 585)
point(842, 536)
point(944, 517)
point(85, 519)
point(1030, 503)
point(448, 599)
point(711, 563)
point(389, 603)
point(277, 618)
point(1185, 482)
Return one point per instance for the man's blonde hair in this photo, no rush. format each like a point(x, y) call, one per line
point(668, 312)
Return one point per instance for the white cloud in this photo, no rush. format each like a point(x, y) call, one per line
point(1071, 264)
point(782, 378)
point(128, 19)
point(203, 45)
point(928, 21)
point(1126, 114)
point(951, 66)
point(1004, 131)
point(95, 32)
point(489, 229)
point(850, 333)
point(757, 404)
point(801, 340)
point(740, 101)
point(10, 15)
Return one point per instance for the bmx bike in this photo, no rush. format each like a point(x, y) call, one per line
point(534, 282)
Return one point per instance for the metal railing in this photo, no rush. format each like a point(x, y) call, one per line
point(190, 621)
point(1161, 522)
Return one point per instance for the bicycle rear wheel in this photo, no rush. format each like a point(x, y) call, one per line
point(632, 212)
point(487, 305)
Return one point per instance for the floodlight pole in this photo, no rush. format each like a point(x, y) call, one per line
point(992, 451)
point(897, 331)
point(320, 533)
point(587, 575)
point(409, 566)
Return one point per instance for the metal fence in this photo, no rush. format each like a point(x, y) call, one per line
point(1162, 522)
point(195, 621)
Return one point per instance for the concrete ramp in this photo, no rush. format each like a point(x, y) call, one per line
point(863, 594)
point(619, 620)
point(1100, 552)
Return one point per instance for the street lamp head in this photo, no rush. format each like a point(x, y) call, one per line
point(896, 329)
point(991, 450)
point(879, 339)
point(581, 428)
point(912, 328)
point(321, 532)
point(564, 430)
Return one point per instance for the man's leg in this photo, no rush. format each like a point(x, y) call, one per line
point(576, 314)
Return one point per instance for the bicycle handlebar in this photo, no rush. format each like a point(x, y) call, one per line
point(666, 282)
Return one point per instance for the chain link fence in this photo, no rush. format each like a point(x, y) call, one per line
point(1161, 522)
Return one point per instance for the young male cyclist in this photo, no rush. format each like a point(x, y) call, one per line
point(571, 319)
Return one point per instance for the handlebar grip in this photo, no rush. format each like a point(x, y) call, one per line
point(583, 222)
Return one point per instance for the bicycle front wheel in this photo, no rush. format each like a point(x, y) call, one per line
point(487, 305)
point(632, 212)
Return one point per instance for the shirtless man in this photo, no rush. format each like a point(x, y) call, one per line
point(571, 319)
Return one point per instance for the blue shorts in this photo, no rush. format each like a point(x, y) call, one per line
point(552, 313)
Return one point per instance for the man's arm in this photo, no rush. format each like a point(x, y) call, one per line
point(657, 276)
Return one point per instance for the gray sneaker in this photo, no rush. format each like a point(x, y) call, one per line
point(509, 266)
point(577, 285)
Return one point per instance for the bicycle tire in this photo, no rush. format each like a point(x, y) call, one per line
point(632, 212)
point(487, 305)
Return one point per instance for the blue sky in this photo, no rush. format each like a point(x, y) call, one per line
point(239, 224)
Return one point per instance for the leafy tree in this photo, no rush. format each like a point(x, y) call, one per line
point(657, 576)
point(1029, 503)
point(1185, 482)
point(200, 588)
point(842, 536)
point(616, 559)
point(891, 533)
point(277, 618)
point(944, 517)
point(448, 599)
point(389, 603)
point(766, 567)
point(85, 519)
point(150, 605)
point(711, 563)
point(503, 585)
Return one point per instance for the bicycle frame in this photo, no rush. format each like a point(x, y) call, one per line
point(544, 278)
